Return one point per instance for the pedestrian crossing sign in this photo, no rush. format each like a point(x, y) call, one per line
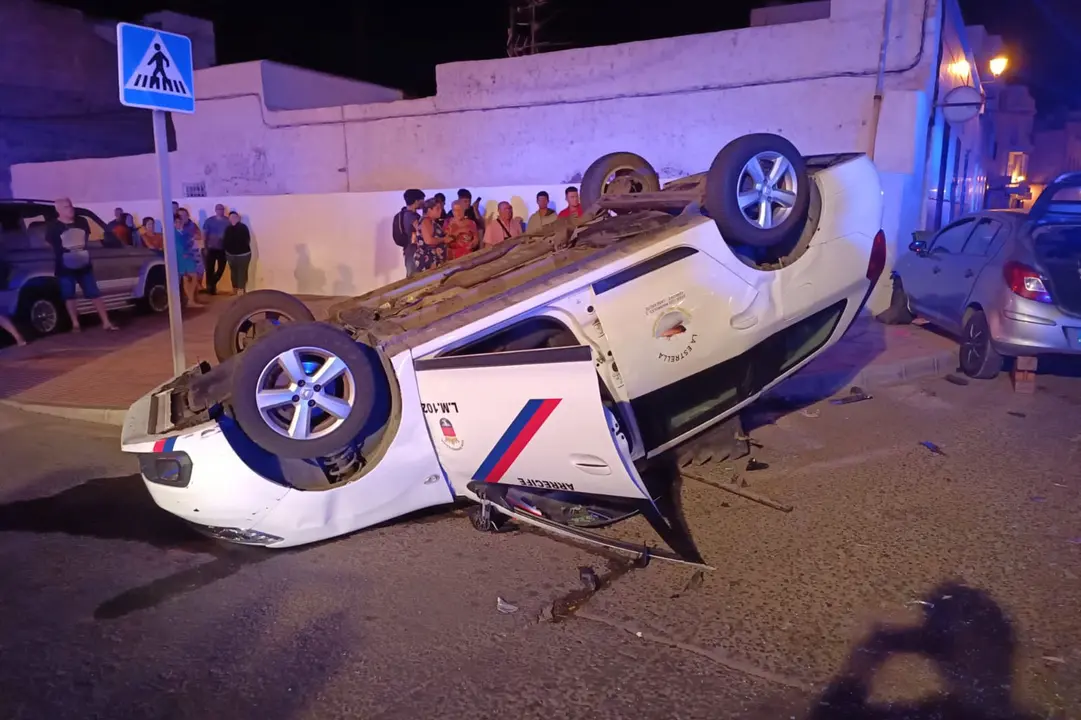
point(155, 69)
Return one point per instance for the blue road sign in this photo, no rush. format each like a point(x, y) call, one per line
point(155, 69)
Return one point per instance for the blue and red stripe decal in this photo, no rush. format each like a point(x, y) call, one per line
point(165, 444)
point(515, 439)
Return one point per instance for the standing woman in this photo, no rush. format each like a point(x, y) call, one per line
point(429, 238)
point(236, 242)
point(149, 237)
point(186, 264)
point(463, 236)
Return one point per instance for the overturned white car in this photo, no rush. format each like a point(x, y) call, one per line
point(546, 378)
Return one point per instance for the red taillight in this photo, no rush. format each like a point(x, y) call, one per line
point(1026, 282)
point(877, 263)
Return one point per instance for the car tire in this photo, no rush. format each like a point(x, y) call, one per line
point(897, 313)
point(733, 196)
point(635, 174)
point(261, 377)
point(231, 334)
point(156, 292)
point(42, 312)
point(977, 356)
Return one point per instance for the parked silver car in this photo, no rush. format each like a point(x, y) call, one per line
point(1007, 282)
point(29, 291)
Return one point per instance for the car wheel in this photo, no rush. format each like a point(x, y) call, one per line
point(977, 355)
point(618, 173)
point(156, 295)
point(758, 191)
point(254, 315)
point(43, 312)
point(305, 391)
point(897, 313)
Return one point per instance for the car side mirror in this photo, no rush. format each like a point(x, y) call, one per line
point(919, 243)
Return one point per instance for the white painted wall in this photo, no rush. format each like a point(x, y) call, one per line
point(531, 119)
point(544, 118)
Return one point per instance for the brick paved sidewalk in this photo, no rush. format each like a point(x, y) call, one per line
point(96, 369)
point(97, 375)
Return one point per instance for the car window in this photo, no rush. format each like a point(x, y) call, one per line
point(979, 242)
point(952, 239)
point(97, 232)
point(9, 219)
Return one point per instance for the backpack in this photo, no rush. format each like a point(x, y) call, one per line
point(403, 236)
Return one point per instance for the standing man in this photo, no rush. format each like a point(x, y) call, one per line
point(472, 208)
point(214, 228)
point(68, 235)
point(404, 226)
point(119, 228)
point(544, 215)
point(574, 204)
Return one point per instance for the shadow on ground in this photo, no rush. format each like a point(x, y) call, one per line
point(969, 640)
point(119, 508)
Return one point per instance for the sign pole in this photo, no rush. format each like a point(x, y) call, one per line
point(168, 233)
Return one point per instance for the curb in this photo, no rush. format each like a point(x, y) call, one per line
point(102, 416)
point(819, 385)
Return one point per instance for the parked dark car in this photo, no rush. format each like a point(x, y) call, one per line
point(29, 292)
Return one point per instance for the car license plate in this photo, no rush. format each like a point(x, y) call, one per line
point(1073, 337)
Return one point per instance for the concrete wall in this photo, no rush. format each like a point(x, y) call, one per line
point(537, 118)
point(291, 88)
point(781, 14)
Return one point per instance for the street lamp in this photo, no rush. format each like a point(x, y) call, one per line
point(998, 65)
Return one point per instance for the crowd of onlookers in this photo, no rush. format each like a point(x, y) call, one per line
point(430, 235)
point(202, 253)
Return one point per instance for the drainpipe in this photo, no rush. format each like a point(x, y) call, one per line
point(880, 82)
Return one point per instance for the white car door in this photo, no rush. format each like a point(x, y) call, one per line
point(531, 418)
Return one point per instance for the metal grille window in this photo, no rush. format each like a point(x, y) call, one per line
point(196, 189)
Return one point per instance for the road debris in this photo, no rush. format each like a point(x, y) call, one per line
point(505, 607)
point(693, 584)
point(1074, 541)
point(747, 494)
point(589, 579)
point(809, 413)
point(753, 464)
point(956, 379)
point(1054, 659)
point(935, 449)
point(855, 394)
point(910, 603)
point(1017, 414)
point(1037, 498)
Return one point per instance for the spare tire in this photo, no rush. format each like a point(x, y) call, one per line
point(758, 191)
point(252, 316)
point(618, 173)
point(306, 391)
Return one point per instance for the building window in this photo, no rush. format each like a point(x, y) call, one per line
point(1017, 167)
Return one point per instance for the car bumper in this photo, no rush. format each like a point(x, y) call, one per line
point(1035, 329)
point(9, 302)
point(229, 487)
point(197, 475)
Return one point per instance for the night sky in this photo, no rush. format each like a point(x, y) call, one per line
point(399, 43)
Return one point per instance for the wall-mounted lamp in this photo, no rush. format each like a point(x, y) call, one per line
point(999, 64)
point(960, 68)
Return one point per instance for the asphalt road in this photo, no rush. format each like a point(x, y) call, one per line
point(110, 608)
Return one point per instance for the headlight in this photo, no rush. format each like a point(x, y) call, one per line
point(169, 468)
